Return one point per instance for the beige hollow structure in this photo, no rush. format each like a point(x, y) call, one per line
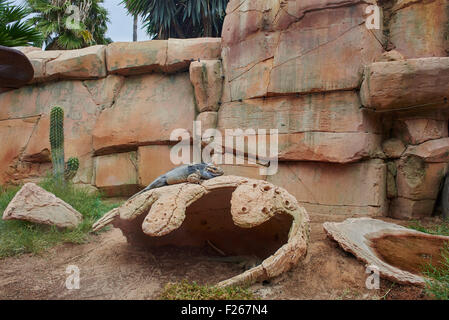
point(240, 216)
point(400, 254)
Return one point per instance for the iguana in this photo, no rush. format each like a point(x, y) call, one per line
point(192, 173)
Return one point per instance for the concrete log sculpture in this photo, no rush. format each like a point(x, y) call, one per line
point(399, 254)
point(264, 220)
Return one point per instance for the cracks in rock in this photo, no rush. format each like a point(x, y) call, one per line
point(236, 8)
point(299, 179)
point(349, 3)
point(319, 46)
point(272, 66)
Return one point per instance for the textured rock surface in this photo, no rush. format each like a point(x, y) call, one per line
point(393, 148)
point(14, 137)
point(208, 120)
point(34, 204)
point(181, 52)
point(153, 161)
point(39, 60)
point(78, 64)
point(116, 174)
point(407, 209)
point(146, 111)
point(128, 58)
point(419, 28)
point(358, 236)
point(80, 117)
point(206, 77)
point(318, 127)
point(413, 83)
point(279, 47)
point(252, 203)
point(416, 131)
point(335, 189)
point(174, 55)
point(431, 151)
point(418, 180)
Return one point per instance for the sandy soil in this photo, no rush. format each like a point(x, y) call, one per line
point(112, 269)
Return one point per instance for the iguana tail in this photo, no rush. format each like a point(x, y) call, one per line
point(159, 182)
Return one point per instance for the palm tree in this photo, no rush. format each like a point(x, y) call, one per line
point(70, 24)
point(15, 30)
point(180, 18)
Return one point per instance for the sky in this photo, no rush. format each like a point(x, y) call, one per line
point(120, 28)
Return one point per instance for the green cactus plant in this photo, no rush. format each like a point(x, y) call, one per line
point(61, 171)
point(57, 141)
point(71, 168)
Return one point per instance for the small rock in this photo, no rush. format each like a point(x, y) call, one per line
point(34, 204)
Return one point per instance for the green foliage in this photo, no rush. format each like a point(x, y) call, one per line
point(180, 18)
point(441, 229)
point(438, 276)
point(54, 18)
point(15, 29)
point(17, 237)
point(185, 290)
point(57, 141)
point(71, 168)
point(438, 283)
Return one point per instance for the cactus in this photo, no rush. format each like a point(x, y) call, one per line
point(71, 167)
point(57, 141)
point(61, 171)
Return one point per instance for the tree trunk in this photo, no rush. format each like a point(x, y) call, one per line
point(135, 29)
point(207, 25)
point(178, 30)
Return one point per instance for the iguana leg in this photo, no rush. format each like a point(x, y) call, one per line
point(194, 178)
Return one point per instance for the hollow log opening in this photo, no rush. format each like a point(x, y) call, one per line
point(410, 253)
point(209, 223)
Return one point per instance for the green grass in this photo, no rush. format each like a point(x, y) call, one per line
point(17, 237)
point(185, 290)
point(440, 229)
point(437, 277)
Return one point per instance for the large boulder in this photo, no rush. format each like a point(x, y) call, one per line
point(83, 63)
point(34, 204)
point(411, 84)
point(173, 55)
point(240, 216)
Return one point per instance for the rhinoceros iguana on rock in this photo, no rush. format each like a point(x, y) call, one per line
point(192, 173)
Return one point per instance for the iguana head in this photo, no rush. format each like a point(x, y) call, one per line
point(211, 171)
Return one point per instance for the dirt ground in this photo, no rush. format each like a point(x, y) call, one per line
point(112, 269)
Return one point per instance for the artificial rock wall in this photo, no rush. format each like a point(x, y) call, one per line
point(362, 114)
